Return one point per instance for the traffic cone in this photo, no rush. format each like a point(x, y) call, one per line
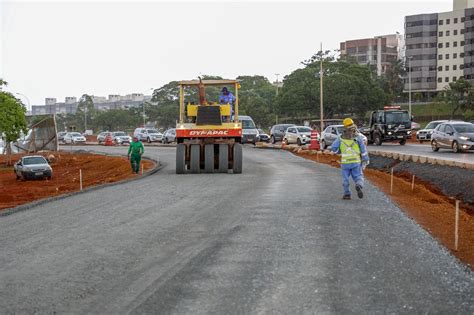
point(283, 144)
point(108, 140)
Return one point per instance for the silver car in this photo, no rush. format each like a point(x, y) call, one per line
point(454, 135)
point(169, 136)
point(298, 134)
point(330, 134)
point(74, 138)
point(120, 137)
point(425, 133)
point(31, 167)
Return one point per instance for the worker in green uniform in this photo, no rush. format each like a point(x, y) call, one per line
point(135, 152)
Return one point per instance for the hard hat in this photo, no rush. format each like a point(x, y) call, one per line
point(347, 122)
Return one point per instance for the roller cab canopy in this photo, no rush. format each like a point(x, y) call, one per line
point(207, 82)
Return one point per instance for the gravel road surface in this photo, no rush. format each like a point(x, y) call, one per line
point(275, 239)
point(425, 150)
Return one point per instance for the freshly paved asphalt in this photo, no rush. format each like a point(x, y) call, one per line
point(275, 239)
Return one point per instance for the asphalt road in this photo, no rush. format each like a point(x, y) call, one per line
point(275, 239)
point(425, 150)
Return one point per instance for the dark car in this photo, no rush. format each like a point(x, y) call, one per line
point(455, 135)
point(262, 136)
point(31, 167)
point(278, 132)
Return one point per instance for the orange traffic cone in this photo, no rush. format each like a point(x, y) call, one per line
point(108, 140)
point(283, 144)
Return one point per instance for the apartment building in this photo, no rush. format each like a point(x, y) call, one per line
point(436, 50)
point(379, 51)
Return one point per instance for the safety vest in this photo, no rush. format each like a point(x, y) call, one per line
point(350, 151)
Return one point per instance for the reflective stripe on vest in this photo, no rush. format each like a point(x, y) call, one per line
point(350, 151)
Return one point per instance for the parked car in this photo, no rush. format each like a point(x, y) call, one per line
point(455, 135)
point(31, 167)
point(61, 135)
point(74, 138)
point(101, 136)
point(298, 134)
point(120, 137)
point(148, 134)
point(262, 136)
point(277, 132)
point(425, 133)
point(249, 130)
point(169, 136)
point(331, 133)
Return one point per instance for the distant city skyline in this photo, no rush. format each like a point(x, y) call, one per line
point(62, 49)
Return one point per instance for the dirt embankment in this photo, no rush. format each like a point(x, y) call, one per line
point(429, 205)
point(96, 170)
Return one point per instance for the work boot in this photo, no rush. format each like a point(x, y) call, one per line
point(360, 194)
point(346, 197)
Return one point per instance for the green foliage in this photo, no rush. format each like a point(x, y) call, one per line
point(392, 80)
point(459, 96)
point(117, 119)
point(257, 99)
point(349, 89)
point(12, 116)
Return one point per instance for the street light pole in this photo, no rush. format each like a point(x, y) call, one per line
point(144, 116)
point(409, 85)
point(321, 88)
point(277, 74)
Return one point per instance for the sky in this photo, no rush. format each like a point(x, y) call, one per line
point(68, 48)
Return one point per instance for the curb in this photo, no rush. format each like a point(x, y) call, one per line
point(9, 211)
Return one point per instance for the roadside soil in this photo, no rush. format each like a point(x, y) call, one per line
point(96, 170)
point(434, 211)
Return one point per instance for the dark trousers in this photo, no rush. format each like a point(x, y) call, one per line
point(135, 162)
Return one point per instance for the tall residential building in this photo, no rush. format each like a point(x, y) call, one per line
point(439, 49)
point(379, 51)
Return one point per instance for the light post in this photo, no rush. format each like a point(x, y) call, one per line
point(409, 84)
point(28, 100)
point(321, 89)
point(144, 116)
point(277, 74)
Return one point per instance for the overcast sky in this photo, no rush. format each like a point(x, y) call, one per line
point(68, 48)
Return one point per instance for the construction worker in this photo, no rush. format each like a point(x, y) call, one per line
point(227, 97)
point(354, 157)
point(135, 152)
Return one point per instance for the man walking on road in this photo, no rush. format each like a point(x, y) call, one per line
point(135, 152)
point(354, 157)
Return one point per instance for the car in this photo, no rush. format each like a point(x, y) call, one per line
point(31, 167)
point(148, 134)
point(249, 130)
point(454, 135)
point(425, 133)
point(331, 133)
point(277, 132)
point(262, 136)
point(61, 135)
point(169, 136)
point(120, 137)
point(101, 136)
point(74, 138)
point(297, 134)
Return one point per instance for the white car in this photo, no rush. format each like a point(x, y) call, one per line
point(298, 134)
point(121, 137)
point(425, 133)
point(148, 134)
point(74, 138)
point(331, 133)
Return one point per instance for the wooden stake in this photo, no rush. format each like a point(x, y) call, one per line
point(80, 179)
point(142, 168)
point(456, 227)
point(391, 181)
point(413, 183)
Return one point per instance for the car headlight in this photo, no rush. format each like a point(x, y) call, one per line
point(408, 132)
point(389, 133)
point(417, 132)
point(430, 132)
point(463, 138)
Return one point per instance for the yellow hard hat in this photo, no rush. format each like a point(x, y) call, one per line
point(347, 122)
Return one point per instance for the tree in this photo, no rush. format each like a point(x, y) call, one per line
point(392, 80)
point(12, 118)
point(85, 110)
point(458, 95)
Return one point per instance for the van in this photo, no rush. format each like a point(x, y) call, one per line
point(249, 130)
point(147, 134)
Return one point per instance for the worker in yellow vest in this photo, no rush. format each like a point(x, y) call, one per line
point(354, 157)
